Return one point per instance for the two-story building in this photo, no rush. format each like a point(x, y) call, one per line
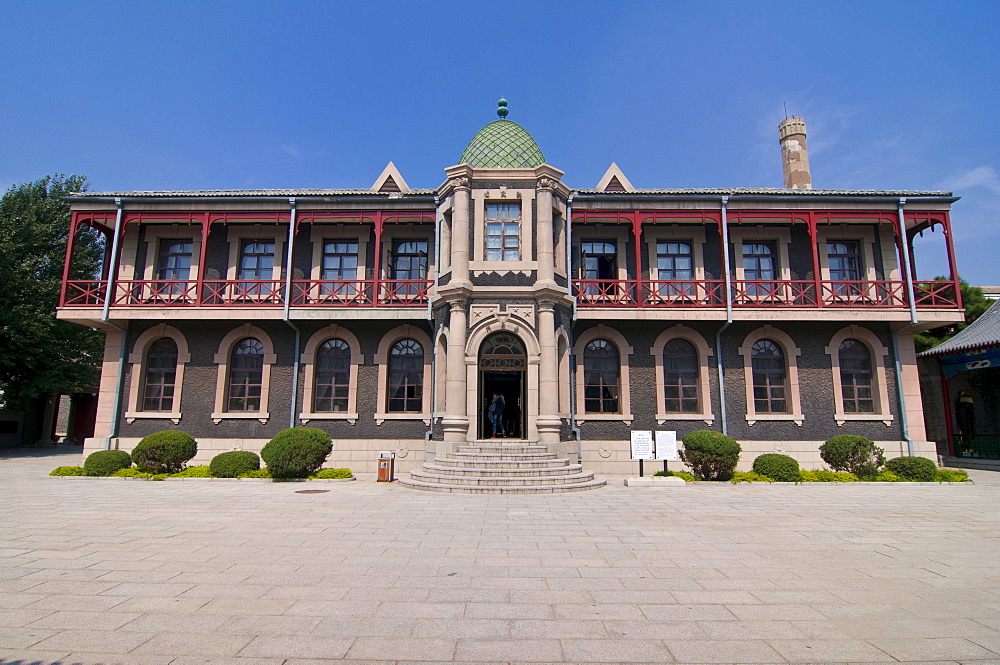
point(392, 317)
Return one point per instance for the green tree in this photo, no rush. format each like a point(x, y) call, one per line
point(975, 305)
point(40, 355)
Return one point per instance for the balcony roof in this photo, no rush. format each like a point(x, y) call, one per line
point(765, 192)
point(247, 193)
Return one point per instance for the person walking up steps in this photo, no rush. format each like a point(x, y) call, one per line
point(496, 414)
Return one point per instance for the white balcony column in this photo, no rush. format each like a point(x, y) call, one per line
point(456, 419)
point(460, 232)
point(546, 252)
point(548, 421)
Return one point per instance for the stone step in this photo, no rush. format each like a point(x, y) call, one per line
point(504, 472)
point(486, 448)
point(493, 481)
point(508, 456)
point(501, 464)
point(506, 489)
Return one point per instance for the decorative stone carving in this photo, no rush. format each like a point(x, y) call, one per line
point(546, 183)
point(524, 312)
point(459, 182)
point(479, 313)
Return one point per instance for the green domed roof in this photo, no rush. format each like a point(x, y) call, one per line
point(502, 144)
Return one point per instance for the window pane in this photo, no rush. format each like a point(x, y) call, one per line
point(856, 377)
point(406, 377)
point(601, 370)
point(768, 368)
point(246, 376)
point(161, 375)
point(174, 261)
point(680, 377)
point(332, 375)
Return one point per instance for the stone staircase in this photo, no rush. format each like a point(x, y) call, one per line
point(501, 466)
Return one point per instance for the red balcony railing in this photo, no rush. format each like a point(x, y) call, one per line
point(403, 292)
point(606, 292)
point(243, 292)
point(683, 293)
point(862, 293)
point(81, 292)
point(936, 293)
point(332, 293)
point(771, 293)
point(155, 292)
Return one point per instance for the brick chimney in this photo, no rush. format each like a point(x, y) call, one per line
point(794, 155)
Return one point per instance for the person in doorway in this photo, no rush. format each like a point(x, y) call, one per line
point(965, 413)
point(496, 414)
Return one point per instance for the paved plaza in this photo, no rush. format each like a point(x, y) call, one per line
point(151, 573)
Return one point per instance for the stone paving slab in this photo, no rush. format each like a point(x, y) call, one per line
point(195, 573)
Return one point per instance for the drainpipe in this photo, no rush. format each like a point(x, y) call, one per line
point(569, 342)
point(729, 317)
point(112, 270)
point(913, 321)
point(286, 314)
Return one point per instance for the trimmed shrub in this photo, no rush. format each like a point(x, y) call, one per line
point(683, 475)
point(131, 472)
point(296, 452)
point(106, 462)
point(750, 477)
point(819, 476)
point(853, 454)
point(193, 472)
point(68, 471)
point(164, 452)
point(711, 455)
point(952, 476)
point(918, 469)
point(781, 468)
point(886, 477)
point(232, 464)
point(259, 473)
point(332, 474)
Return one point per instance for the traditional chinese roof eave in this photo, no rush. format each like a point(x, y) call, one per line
point(982, 333)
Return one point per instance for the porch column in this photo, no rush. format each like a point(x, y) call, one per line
point(48, 420)
point(460, 234)
point(456, 419)
point(546, 252)
point(548, 421)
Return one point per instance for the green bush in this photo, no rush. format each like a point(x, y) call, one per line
point(106, 462)
point(952, 476)
point(750, 477)
point(296, 452)
point(131, 472)
point(193, 472)
point(886, 477)
point(853, 454)
point(259, 473)
point(781, 468)
point(919, 469)
point(332, 474)
point(232, 464)
point(819, 476)
point(164, 452)
point(683, 475)
point(68, 471)
point(711, 455)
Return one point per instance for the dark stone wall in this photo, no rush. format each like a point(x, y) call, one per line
point(200, 376)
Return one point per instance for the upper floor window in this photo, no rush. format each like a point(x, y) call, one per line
point(601, 369)
point(680, 377)
point(332, 377)
point(674, 261)
point(174, 260)
point(503, 231)
point(845, 260)
point(599, 259)
point(768, 366)
point(256, 259)
point(246, 376)
point(161, 376)
point(856, 377)
point(339, 260)
point(406, 377)
point(760, 260)
point(408, 260)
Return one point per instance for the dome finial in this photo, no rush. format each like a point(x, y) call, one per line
point(502, 108)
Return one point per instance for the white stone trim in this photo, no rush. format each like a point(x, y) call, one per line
point(308, 359)
point(138, 361)
point(222, 380)
point(791, 353)
point(480, 197)
point(563, 369)
point(625, 350)
point(704, 391)
point(390, 170)
point(239, 232)
point(877, 352)
point(382, 360)
point(323, 230)
point(613, 172)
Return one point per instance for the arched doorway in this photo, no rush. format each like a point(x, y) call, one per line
point(502, 365)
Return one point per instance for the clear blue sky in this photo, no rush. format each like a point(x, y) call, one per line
point(204, 95)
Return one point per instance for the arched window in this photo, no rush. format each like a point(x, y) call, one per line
point(332, 378)
point(601, 377)
point(246, 376)
point(856, 377)
point(161, 376)
point(406, 377)
point(769, 385)
point(680, 377)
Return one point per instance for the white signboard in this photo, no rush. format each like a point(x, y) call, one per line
point(666, 446)
point(642, 445)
